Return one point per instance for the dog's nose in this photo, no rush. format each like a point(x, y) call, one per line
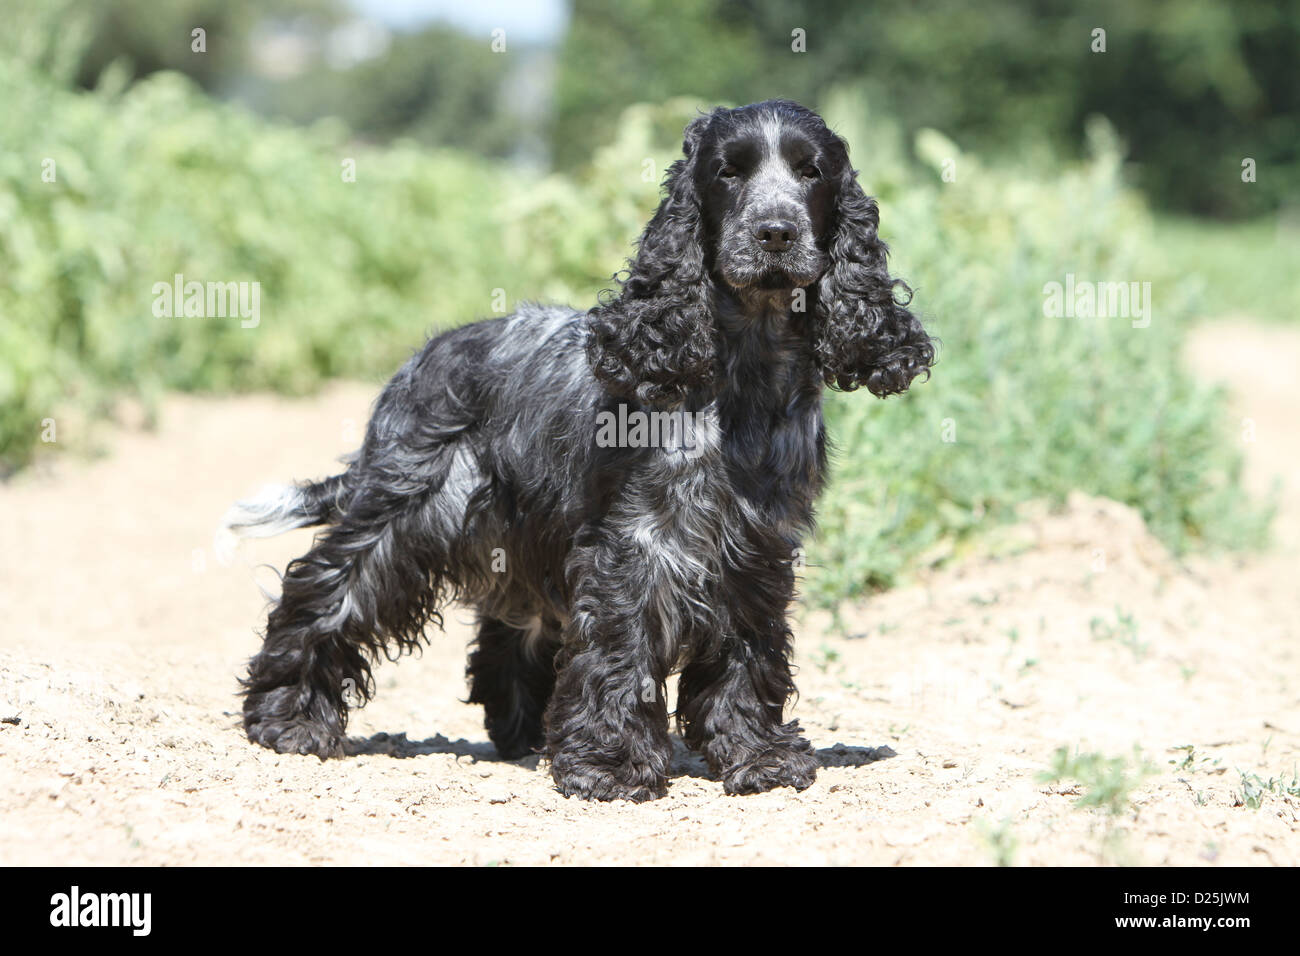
point(776, 235)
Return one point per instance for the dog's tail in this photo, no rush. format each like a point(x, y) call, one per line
point(280, 508)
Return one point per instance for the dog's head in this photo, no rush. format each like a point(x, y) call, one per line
point(763, 202)
point(768, 179)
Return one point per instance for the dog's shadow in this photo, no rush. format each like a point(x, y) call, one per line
point(688, 763)
point(397, 745)
point(685, 762)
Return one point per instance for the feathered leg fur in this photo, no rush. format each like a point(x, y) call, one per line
point(364, 583)
point(730, 703)
point(607, 723)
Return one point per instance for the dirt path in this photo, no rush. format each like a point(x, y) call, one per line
point(120, 640)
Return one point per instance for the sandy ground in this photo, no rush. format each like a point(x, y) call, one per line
point(121, 638)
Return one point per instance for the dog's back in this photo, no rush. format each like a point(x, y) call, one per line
point(477, 433)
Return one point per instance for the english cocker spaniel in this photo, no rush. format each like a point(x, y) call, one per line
point(620, 493)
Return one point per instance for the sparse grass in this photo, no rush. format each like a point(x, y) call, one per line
point(1107, 782)
point(1001, 841)
point(827, 660)
point(1255, 790)
point(824, 657)
point(1124, 631)
point(1191, 762)
point(1107, 785)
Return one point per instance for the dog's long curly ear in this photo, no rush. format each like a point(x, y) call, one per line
point(656, 340)
point(863, 333)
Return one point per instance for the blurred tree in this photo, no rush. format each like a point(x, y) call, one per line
point(1193, 86)
point(642, 51)
point(150, 36)
point(437, 85)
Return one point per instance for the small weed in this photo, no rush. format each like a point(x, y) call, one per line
point(1191, 762)
point(1107, 782)
point(1254, 789)
point(1124, 631)
point(1001, 841)
point(824, 657)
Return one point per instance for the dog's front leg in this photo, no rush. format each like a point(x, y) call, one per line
point(607, 722)
point(731, 701)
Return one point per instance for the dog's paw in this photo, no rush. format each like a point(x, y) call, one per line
point(297, 737)
point(574, 778)
point(273, 719)
point(790, 764)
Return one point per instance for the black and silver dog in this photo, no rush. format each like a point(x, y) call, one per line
point(619, 493)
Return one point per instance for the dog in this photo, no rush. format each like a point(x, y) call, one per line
point(620, 494)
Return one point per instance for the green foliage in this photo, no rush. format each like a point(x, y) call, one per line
point(643, 51)
point(1195, 86)
point(156, 180)
point(145, 36)
point(1035, 406)
point(1232, 270)
point(438, 87)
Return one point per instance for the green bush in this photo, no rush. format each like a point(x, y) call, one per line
point(1036, 406)
point(158, 180)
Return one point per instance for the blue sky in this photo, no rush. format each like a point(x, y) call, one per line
point(531, 21)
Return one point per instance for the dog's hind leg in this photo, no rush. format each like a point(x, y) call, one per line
point(512, 674)
point(367, 585)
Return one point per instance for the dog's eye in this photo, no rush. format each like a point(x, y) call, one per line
point(809, 171)
point(728, 171)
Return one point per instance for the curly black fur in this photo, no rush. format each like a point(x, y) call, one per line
point(600, 567)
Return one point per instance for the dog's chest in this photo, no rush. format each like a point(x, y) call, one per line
point(678, 532)
point(681, 499)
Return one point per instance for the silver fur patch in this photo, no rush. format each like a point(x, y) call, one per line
point(274, 510)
